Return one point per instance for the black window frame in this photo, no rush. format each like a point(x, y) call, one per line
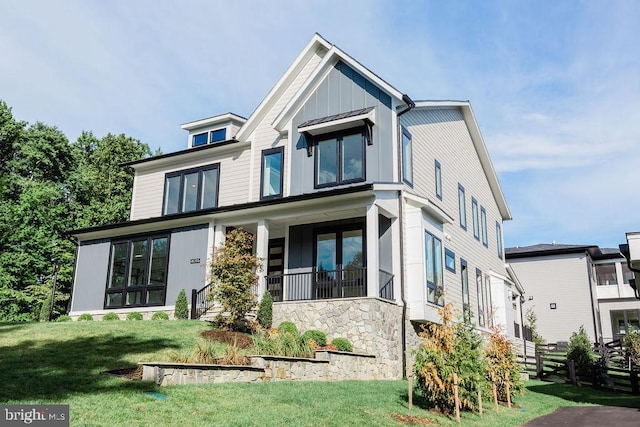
point(405, 132)
point(499, 240)
point(181, 173)
point(213, 140)
point(438, 289)
point(482, 320)
point(475, 218)
point(449, 254)
point(339, 136)
point(438, 179)
point(464, 281)
point(147, 286)
point(483, 227)
point(462, 207)
point(265, 153)
point(195, 136)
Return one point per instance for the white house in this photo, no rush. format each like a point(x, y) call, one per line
point(370, 211)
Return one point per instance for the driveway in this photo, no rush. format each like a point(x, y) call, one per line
point(589, 416)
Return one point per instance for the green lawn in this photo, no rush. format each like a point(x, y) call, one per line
point(61, 363)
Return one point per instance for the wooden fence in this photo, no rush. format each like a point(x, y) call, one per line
point(552, 365)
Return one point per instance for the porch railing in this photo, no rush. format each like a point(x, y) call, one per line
point(386, 285)
point(200, 302)
point(326, 284)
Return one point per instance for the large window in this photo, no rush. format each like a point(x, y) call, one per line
point(438, 179)
point(433, 261)
point(271, 184)
point(606, 274)
point(407, 157)
point(191, 190)
point(627, 274)
point(340, 158)
point(483, 223)
point(623, 322)
point(464, 275)
point(475, 218)
point(462, 207)
point(137, 272)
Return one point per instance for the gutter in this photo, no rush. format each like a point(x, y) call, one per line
point(410, 104)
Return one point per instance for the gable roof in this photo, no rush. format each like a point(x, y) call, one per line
point(332, 55)
point(480, 146)
point(544, 249)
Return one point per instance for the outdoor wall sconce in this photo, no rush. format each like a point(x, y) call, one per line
point(552, 306)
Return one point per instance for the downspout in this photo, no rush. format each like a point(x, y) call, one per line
point(410, 105)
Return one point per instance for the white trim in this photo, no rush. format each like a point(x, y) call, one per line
point(429, 207)
point(210, 121)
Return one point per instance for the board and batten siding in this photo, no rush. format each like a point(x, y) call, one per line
point(148, 184)
point(340, 93)
point(562, 280)
point(441, 134)
point(92, 267)
point(265, 136)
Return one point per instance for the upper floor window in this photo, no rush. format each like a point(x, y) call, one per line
point(438, 179)
point(475, 218)
point(450, 260)
point(218, 135)
point(499, 239)
point(483, 222)
point(606, 274)
point(407, 157)
point(191, 189)
point(433, 261)
point(464, 275)
point(481, 298)
point(137, 272)
point(340, 158)
point(271, 184)
point(626, 273)
point(462, 207)
point(200, 139)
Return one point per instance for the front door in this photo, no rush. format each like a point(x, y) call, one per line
point(340, 263)
point(275, 268)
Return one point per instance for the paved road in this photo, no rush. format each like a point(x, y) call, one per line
point(589, 416)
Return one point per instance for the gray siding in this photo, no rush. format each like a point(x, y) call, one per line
point(185, 246)
point(344, 90)
point(564, 281)
point(91, 276)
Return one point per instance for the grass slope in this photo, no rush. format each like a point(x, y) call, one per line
point(61, 363)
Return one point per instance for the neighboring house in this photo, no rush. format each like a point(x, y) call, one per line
point(369, 210)
point(574, 285)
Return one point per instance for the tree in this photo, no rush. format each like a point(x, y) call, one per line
point(233, 274)
point(502, 364)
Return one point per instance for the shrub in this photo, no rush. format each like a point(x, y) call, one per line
point(502, 365)
point(63, 318)
point(288, 328)
point(45, 309)
point(134, 315)
point(160, 315)
point(281, 344)
point(110, 316)
point(265, 311)
point(632, 344)
point(85, 317)
point(446, 349)
point(342, 344)
point(233, 274)
point(580, 349)
point(319, 337)
point(181, 309)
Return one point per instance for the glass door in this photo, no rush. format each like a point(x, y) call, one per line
point(340, 263)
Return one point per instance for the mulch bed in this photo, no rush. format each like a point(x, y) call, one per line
point(228, 337)
point(134, 373)
point(413, 420)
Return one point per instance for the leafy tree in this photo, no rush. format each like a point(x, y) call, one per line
point(532, 323)
point(580, 349)
point(233, 274)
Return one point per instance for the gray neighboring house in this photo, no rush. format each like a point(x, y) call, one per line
point(574, 285)
point(370, 211)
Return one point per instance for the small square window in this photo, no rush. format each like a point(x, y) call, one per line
point(200, 139)
point(218, 135)
point(450, 260)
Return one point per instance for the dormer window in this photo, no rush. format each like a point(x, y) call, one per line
point(211, 137)
point(218, 135)
point(200, 139)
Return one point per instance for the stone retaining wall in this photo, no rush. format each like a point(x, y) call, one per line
point(327, 366)
point(373, 325)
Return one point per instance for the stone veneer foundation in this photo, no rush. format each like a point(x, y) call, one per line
point(373, 325)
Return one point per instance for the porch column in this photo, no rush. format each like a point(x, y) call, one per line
point(373, 279)
point(396, 235)
point(262, 252)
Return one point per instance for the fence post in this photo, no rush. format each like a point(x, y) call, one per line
point(455, 396)
point(571, 367)
point(480, 401)
point(634, 383)
point(194, 297)
point(539, 367)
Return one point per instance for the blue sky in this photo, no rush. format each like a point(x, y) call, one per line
point(555, 85)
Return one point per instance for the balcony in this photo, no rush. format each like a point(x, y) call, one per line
point(326, 284)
